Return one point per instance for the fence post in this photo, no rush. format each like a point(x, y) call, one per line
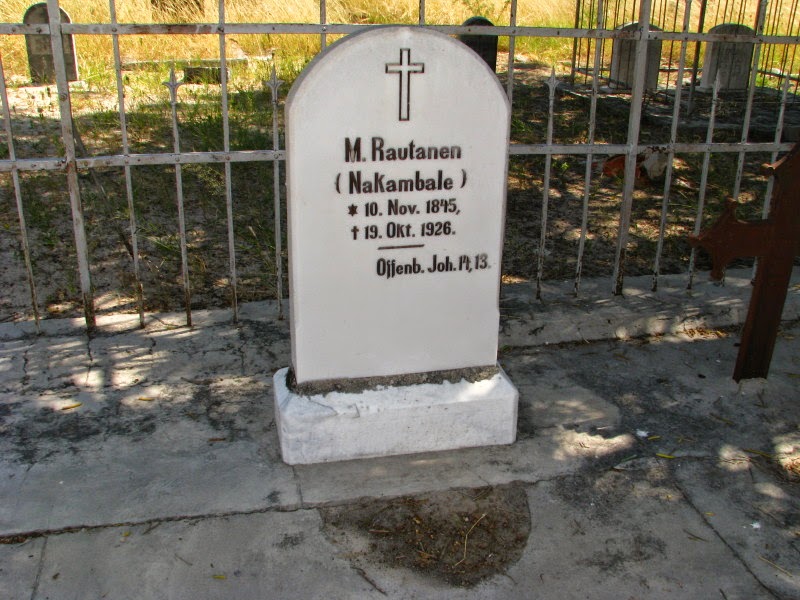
point(634, 123)
point(67, 137)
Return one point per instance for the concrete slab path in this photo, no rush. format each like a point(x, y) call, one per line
point(145, 464)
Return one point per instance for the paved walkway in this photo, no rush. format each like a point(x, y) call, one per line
point(144, 463)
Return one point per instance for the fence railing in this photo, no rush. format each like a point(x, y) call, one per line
point(678, 103)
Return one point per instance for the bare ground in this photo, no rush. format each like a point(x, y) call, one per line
point(460, 536)
point(35, 125)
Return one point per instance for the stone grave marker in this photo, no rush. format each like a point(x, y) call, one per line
point(484, 45)
point(730, 61)
point(623, 59)
point(396, 142)
point(40, 52)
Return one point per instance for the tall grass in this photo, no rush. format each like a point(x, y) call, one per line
point(291, 52)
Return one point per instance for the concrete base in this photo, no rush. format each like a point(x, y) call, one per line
point(394, 420)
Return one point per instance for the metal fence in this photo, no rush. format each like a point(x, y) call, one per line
point(590, 35)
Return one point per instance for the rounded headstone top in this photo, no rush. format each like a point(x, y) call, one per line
point(472, 21)
point(351, 50)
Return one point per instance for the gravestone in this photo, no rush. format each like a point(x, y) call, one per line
point(484, 45)
point(40, 52)
point(623, 60)
point(396, 142)
point(730, 61)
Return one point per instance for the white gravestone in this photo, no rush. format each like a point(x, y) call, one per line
point(396, 174)
point(728, 61)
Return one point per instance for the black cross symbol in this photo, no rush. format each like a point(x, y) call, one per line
point(404, 69)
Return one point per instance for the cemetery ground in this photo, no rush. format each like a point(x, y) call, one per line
point(145, 463)
point(35, 123)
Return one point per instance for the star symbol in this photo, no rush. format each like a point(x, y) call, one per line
point(353, 210)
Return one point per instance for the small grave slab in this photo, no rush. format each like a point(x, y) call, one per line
point(40, 53)
point(623, 59)
point(729, 62)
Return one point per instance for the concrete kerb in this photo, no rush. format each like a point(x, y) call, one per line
point(598, 315)
point(560, 317)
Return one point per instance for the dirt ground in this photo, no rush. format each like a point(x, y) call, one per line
point(36, 129)
point(458, 536)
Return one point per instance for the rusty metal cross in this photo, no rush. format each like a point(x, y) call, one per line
point(775, 241)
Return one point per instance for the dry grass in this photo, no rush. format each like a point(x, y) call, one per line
point(292, 51)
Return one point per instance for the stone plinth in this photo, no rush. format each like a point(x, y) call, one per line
point(394, 420)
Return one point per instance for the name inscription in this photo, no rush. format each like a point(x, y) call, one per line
point(410, 151)
point(403, 222)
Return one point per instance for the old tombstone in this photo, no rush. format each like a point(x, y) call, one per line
point(623, 60)
point(730, 61)
point(776, 242)
point(484, 45)
point(40, 52)
point(396, 162)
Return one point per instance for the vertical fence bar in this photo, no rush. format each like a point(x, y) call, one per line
point(778, 137)
point(673, 136)
point(634, 123)
point(589, 22)
point(724, 12)
point(662, 18)
point(226, 145)
point(771, 28)
point(603, 45)
point(577, 42)
point(68, 139)
point(672, 46)
point(23, 226)
point(422, 12)
point(751, 90)
point(127, 169)
point(548, 160)
point(616, 21)
point(323, 20)
point(173, 84)
point(589, 157)
point(512, 41)
point(740, 15)
point(696, 60)
point(274, 83)
point(701, 199)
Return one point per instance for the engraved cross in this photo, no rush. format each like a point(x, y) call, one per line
point(404, 69)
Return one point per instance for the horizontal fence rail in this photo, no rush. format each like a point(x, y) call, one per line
point(597, 33)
